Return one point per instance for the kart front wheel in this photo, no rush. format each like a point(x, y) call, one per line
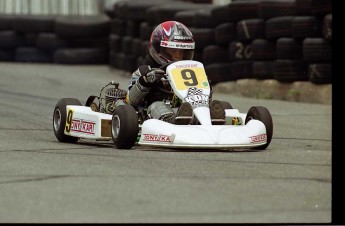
point(124, 127)
point(59, 119)
point(262, 114)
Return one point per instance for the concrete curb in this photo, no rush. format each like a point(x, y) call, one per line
point(306, 92)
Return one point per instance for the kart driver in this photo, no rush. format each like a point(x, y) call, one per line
point(170, 41)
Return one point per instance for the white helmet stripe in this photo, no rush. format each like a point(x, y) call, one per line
point(178, 45)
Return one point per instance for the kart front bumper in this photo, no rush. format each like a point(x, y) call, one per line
point(162, 134)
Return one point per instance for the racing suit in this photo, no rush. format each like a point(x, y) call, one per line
point(141, 93)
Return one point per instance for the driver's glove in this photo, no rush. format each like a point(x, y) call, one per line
point(150, 76)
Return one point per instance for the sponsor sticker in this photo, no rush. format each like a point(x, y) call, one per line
point(83, 126)
point(180, 37)
point(178, 45)
point(159, 138)
point(259, 138)
point(186, 65)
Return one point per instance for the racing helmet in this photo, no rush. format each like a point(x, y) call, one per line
point(171, 41)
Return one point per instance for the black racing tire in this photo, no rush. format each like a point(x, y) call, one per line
point(289, 49)
point(203, 37)
point(145, 30)
point(327, 27)
point(136, 47)
point(288, 71)
point(73, 26)
point(225, 105)
point(202, 19)
point(242, 10)
point(59, 119)
point(132, 28)
point(306, 27)
point(115, 43)
point(250, 29)
point(263, 69)
point(118, 26)
point(144, 50)
point(239, 51)
point(126, 45)
point(215, 54)
point(242, 69)
point(32, 55)
point(51, 42)
point(33, 23)
point(317, 50)
point(263, 49)
point(219, 72)
point(225, 33)
point(136, 10)
point(185, 17)
point(89, 100)
point(124, 127)
point(11, 40)
point(278, 27)
point(6, 21)
point(320, 73)
point(81, 56)
point(262, 114)
point(271, 8)
point(7, 54)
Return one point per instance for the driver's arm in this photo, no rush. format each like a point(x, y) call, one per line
point(141, 82)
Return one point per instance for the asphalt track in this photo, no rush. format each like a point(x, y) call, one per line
point(42, 180)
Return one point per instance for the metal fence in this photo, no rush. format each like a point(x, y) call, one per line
point(53, 7)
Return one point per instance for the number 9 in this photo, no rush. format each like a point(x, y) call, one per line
point(188, 74)
point(69, 121)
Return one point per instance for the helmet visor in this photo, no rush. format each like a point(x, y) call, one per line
point(176, 54)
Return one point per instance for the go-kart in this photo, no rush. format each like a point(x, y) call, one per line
point(112, 118)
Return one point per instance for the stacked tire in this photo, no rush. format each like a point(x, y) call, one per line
point(54, 39)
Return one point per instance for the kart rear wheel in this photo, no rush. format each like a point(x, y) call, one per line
point(124, 126)
point(59, 119)
point(262, 114)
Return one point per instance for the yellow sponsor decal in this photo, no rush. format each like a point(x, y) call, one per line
point(185, 78)
point(69, 120)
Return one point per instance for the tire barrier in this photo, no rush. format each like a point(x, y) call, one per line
point(285, 40)
point(33, 23)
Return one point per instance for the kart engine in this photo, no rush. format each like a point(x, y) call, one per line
point(113, 98)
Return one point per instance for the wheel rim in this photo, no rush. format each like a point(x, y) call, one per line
point(115, 127)
point(57, 119)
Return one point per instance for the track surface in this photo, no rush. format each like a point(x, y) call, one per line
point(42, 180)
